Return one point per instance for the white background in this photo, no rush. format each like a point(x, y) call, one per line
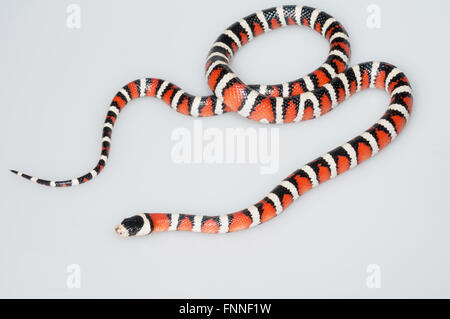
point(55, 88)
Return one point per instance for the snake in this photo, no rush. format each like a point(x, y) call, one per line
point(309, 97)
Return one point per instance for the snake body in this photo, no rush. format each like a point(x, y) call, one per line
point(306, 98)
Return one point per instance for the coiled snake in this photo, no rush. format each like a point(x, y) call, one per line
point(309, 97)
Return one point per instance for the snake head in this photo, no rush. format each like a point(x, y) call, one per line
point(138, 225)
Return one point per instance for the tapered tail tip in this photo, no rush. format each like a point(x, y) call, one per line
point(14, 171)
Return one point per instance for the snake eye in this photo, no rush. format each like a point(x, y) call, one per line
point(130, 226)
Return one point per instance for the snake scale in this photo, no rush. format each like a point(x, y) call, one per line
point(306, 98)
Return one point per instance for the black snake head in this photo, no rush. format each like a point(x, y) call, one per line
point(134, 226)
